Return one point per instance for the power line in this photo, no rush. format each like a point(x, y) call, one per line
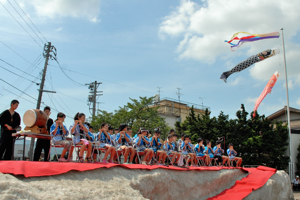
point(31, 21)
point(17, 89)
point(57, 110)
point(51, 100)
point(105, 80)
point(16, 67)
point(68, 75)
point(29, 71)
point(64, 104)
point(20, 25)
point(18, 96)
point(15, 52)
point(25, 21)
point(19, 75)
point(71, 97)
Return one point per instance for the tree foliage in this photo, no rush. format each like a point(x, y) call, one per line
point(257, 140)
point(136, 114)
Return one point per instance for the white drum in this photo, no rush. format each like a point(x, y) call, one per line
point(34, 117)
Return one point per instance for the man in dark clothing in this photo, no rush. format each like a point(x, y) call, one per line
point(43, 144)
point(9, 121)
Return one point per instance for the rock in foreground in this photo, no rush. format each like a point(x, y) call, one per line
point(121, 183)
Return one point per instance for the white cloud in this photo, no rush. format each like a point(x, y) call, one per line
point(177, 22)
point(89, 9)
point(204, 27)
point(236, 81)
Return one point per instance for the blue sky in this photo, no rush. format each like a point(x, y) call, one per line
point(133, 47)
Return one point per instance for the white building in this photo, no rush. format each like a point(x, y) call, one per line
point(281, 115)
point(174, 110)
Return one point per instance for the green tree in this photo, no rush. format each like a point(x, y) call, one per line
point(136, 114)
point(256, 139)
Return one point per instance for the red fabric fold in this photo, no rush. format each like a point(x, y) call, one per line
point(35, 169)
point(256, 178)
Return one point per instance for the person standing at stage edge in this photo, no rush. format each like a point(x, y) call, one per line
point(9, 121)
point(43, 144)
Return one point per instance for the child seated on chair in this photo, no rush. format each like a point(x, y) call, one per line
point(90, 135)
point(169, 147)
point(59, 132)
point(180, 141)
point(105, 140)
point(187, 148)
point(232, 155)
point(209, 151)
point(199, 149)
point(218, 151)
point(176, 149)
point(155, 144)
point(80, 132)
point(141, 144)
point(122, 141)
point(192, 150)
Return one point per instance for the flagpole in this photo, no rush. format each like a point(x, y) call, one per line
point(291, 164)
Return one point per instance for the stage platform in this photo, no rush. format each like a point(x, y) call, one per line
point(255, 179)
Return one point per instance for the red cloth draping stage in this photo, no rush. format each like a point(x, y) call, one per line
point(34, 169)
point(256, 178)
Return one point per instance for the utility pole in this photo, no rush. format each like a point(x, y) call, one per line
point(92, 98)
point(47, 54)
point(179, 94)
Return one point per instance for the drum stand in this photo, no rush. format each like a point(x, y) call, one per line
point(37, 129)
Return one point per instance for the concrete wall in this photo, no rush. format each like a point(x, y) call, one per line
point(170, 120)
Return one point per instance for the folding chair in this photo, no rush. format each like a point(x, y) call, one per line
point(100, 151)
point(213, 161)
point(184, 158)
point(170, 157)
point(78, 147)
point(52, 144)
point(139, 154)
point(232, 162)
point(201, 160)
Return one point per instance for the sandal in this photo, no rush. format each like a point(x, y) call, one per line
point(80, 159)
point(89, 160)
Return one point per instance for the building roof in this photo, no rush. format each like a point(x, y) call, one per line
point(183, 103)
point(282, 111)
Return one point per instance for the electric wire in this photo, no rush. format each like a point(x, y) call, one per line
point(51, 100)
point(20, 24)
point(16, 67)
point(105, 80)
point(65, 104)
point(68, 75)
point(18, 89)
point(25, 21)
point(15, 52)
point(30, 20)
point(18, 75)
point(18, 96)
point(56, 110)
point(50, 73)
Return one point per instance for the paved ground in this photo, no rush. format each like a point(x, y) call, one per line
point(297, 195)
